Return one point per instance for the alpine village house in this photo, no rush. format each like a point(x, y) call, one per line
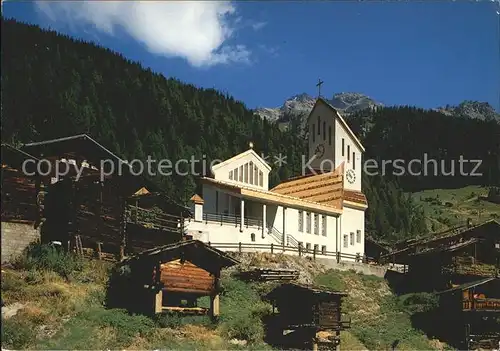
point(322, 211)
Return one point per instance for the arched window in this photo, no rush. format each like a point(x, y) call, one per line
point(319, 125)
point(330, 135)
point(314, 133)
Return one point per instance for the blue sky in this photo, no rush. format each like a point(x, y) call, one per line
point(426, 54)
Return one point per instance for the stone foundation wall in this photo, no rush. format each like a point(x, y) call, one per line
point(16, 237)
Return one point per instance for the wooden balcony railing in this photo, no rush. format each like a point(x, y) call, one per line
point(231, 219)
point(481, 305)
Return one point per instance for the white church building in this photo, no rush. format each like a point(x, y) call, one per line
point(322, 211)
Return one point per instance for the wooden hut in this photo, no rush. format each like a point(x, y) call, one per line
point(456, 256)
point(472, 313)
point(171, 278)
point(306, 310)
point(99, 206)
point(20, 210)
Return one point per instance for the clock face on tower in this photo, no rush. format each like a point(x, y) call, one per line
point(350, 176)
point(319, 151)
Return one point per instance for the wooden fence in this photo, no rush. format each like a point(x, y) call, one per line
point(273, 248)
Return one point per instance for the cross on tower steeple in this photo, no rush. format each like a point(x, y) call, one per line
point(320, 82)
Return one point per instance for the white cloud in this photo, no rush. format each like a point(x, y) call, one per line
point(196, 31)
point(259, 25)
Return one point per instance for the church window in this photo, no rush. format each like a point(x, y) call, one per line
point(241, 174)
point(231, 175)
point(348, 153)
point(323, 229)
point(352, 238)
point(343, 146)
point(346, 241)
point(261, 178)
point(255, 175)
point(245, 179)
point(324, 130)
point(251, 172)
point(319, 125)
point(316, 224)
point(358, 236)
point(314, 132)
point(301, 221)
point(330, 135)
point(236, 174)
point(353, 160)
point(308, 222)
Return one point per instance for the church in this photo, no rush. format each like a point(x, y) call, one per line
point(321, 211)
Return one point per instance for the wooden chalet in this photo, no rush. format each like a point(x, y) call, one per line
point(105, 213)
point(456, 256)
point(305, 311)
point(19, 193)
point(171, 278)
point(472, 313)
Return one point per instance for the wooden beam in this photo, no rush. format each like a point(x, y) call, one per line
point(214, 306)
point(158, 302)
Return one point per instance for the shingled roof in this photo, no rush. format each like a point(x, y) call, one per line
point(326, 188)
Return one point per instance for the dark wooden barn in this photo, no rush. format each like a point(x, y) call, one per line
point(306, 310)
point(170, 278)
point(472, 313)
point(102, 206)
point(457, 256)
point(19, 189)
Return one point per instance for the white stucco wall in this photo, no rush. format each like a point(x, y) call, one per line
point(349, 144)
point(352, 220)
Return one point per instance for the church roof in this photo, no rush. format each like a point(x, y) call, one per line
point(326, 188)
point(342, 121)
point(274, 197)
point(323, 188)
point(355, 196)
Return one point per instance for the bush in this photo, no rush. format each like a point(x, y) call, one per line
point(17, 333)
point(45, 257)
point(242, 311)
point(417, 302)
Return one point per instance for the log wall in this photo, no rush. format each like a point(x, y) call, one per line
point(186, 278)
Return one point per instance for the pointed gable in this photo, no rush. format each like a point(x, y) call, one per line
point(247, 168)
point(343, 123)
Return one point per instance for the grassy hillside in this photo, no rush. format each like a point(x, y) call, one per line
point(57, 302)
point(445, 208)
